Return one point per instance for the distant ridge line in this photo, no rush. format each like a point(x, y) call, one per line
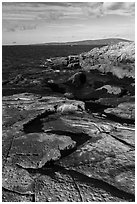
point(89, 42)
point(99, 42)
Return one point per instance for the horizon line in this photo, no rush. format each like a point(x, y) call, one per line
point(58, 42)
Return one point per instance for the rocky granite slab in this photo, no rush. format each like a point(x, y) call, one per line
point(54, 150)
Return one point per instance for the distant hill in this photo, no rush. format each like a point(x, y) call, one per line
point(90, 42)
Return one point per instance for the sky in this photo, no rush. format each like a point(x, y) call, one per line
point(35, 22)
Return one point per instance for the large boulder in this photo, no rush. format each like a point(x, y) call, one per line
point(117, 59)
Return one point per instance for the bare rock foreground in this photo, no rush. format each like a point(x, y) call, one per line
point(79, 144)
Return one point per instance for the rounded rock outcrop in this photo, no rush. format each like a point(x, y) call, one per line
point(70, 108)
point(77, 80)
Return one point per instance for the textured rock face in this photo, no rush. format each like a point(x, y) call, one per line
point(105, 72)
point(35, 150)
point(123, 110)
point(75, 139)
point(74, 156)
point(114, 59)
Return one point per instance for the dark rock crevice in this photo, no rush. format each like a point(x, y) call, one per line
point(9, 148)
point(31, 196)
point(78, 188)
point(93, 107)
point(80, 177)
point(36, 125)
point(79, 138)
point(18, 193)
point(120, 120)
point(122, 141)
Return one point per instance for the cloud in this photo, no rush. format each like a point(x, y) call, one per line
point(120, 8)
point(15, 26)
point(31, 11)
point(114, 5)
point(27, 15)
point(55, 10)
point(28, 27)
point(93, 9)
point(98, 9)
point(9, 29)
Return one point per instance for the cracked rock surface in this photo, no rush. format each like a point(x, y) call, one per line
point(64, 156)
point(76, 140)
